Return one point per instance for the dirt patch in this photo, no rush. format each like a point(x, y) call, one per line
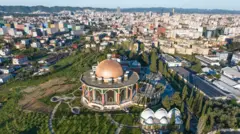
point(30, 101)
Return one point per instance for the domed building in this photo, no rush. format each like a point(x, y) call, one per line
point(108, 86)
point(109, 69)
point(160, 119)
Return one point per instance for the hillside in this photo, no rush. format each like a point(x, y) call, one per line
point(28, 9)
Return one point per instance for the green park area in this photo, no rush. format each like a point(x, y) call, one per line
point(27, 106)
point(26, 103)
point(23, 99)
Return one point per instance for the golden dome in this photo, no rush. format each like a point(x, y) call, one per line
point(109, 69)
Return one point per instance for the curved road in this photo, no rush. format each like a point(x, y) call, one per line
point(52, 116)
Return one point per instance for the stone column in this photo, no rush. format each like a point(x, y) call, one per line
point(94, 94)
point(118, 97)
point(89, 99)
point(127, 93)
point(106, 97)
point(131, 94)
point(137, 87)
point(103, 99)
point(83, 90)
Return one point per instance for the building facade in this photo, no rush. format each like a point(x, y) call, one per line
point(108, 87)
point(160, 119)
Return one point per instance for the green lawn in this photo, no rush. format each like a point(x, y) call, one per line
point(127, 119)
point(130, 131)
point(71, 68)
point(84, 123)
point(14, 120)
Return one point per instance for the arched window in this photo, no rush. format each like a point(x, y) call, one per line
point(98, 96)
point(110, 96)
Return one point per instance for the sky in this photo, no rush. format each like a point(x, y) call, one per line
point(201, 4)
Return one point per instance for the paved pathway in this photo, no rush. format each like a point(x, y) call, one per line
point(120, 126)
point(62, 99)
point(118, 130)
point(52, 116)
point(230, 130)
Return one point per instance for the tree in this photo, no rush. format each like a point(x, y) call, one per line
point(97, 121)
point(145, 58)
point(212, 120)
point(191, 95)
point(209, 110)
point(184, 92)
point(201, 124)
point(166, 103)
point(187, 126)
point(172, 120)
point(165, 70)
point(190, 103)
point(153, 66)
point(89, 123)
point(131, 55)
point(176, 98)
point(174, 132)
point(218, 76)
point(197, 67)
point(160, 66)
point(204, 108)
point(101, 58)
point(142, 47)
point(160, 87)
point(121, 51)
point(200, 105)
point(182, 107)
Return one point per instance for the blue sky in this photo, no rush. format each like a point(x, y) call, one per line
point(203, 4)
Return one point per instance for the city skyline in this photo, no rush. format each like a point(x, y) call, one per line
point(204, 4)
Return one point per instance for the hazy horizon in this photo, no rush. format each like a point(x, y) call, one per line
point(203, 4)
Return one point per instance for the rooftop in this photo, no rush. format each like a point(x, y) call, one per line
point(225, 87)
point(204, 59)
point(87, 79)
point(206, 87)
point(230, 71)
point(228, 80)
point(169, 58)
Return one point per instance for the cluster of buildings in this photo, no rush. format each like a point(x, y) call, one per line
point(8, 72)
point(40, 26)
point(229, 80)
point(174, 33)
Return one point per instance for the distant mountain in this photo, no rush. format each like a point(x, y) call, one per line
point(28, 9)
point(182, 10)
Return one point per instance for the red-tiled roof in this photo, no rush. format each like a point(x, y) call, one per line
point(20, 56)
